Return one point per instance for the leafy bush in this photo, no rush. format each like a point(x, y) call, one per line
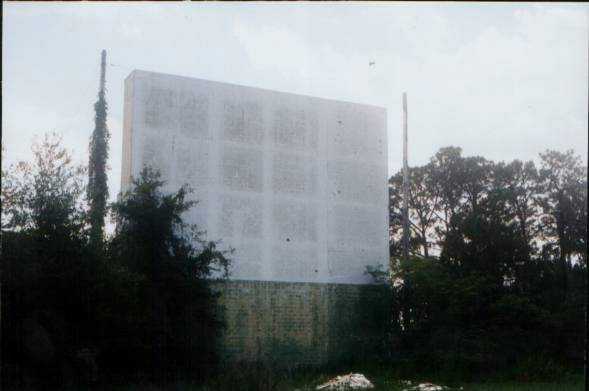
point(72, 314)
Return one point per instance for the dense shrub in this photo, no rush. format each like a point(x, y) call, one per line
point(140, 308)
point(498, 273)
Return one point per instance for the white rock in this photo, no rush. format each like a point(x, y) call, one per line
point(352, 381)
point(426, 387)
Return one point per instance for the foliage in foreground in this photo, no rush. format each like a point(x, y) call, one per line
point(497, 284)
point(72, 314)
point(384, 378)
point(498, 277)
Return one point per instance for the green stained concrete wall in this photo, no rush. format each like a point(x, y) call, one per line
point(289, 324)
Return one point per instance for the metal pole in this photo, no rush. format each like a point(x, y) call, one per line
point(405, 183)
point(103, 70)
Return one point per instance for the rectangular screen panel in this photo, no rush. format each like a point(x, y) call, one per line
point(296, 184)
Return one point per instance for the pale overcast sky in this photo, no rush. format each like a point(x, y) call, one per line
point(503, 81)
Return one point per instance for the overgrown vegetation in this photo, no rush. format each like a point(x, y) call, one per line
point(495, 287)
point(97, 191)
point(140, 307)
point(497, 281)
point(384, 378)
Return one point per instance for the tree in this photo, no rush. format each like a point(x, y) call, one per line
point(563, 200)
point(423, 199)
point(515, 185)
point(490, 293)
point(97, 178)
point(44, 273)
point(44, 197)
point(175, 265)
point(563, 195)
point(440, 194)
point(152, 293)
point(447, 180)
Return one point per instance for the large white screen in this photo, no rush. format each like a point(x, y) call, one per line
point(296, 184)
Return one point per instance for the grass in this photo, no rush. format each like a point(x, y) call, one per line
point(308, 382)
point(384, 379)
point(567, 386)
point(391, 385)
point(381, 385)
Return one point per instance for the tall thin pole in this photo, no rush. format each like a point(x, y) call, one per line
point(97, 179)
point(103, 70)
point(405, 183)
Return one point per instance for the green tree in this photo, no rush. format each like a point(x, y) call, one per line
point(489, 293)
point(563, 200)
point(45, 273)
point(152, 240)
point(44, 197)
point(423, 199)
point(97, 178)
point(516, 185)
point(563, 195)
point(448, 182)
